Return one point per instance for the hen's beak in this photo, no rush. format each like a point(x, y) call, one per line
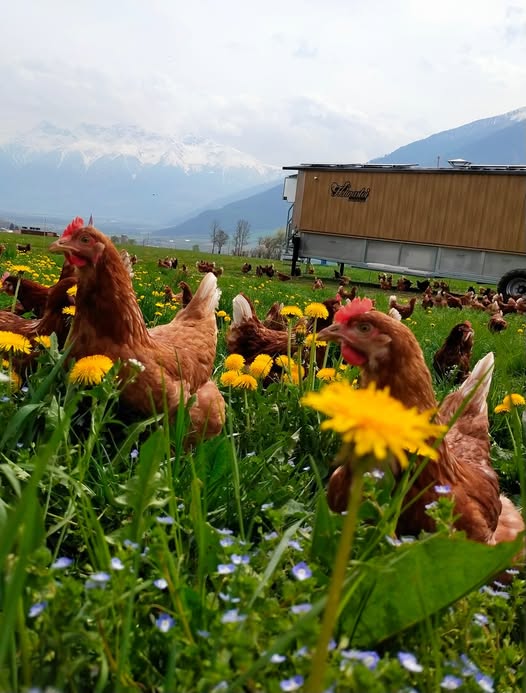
point(60, 246)
point(332, 333)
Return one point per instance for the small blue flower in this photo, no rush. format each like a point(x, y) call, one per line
point(442, 489)
point(378, 473)
point(226, 541)
point(134, 454)
point(4, 398)
point(468, 668)
point(224, 531)
point(301, 608)
point(232, 616)
point(164, 622)
point(484, 682)
point(221, 686)
point(129, 544)
point(37, 609)
point(267, 506)
point(430, 506)
point(277, 658)
point(393, 541)
point(512, 571)
point(292, 684)
point(100, 577)
point(160, 583)
point(450, 683)
point(238, 560)
point(302, 652)
point(301, 571)
point(295, 545)
point(270, 536)
point(225, 568)
point(480, 619)
point(116, 564)
point(368, 658)
point(409, 662)
point(165, 520)
point(203, 633)
point(62, 562)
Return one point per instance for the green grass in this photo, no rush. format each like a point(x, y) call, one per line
point(224, 525)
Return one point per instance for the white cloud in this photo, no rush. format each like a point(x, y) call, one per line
point(298, 81)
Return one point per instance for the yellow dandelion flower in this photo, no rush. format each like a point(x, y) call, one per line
point(520, 330)
point(228, 377)
point(72, 291)
point(90, 370)
point(300, 329)
point(283, 361)
point(326, 374)
point(16, 381)
point(501, 409)
point(5, 363)
point(316, 310)
point(245, 381)
point(310, 338)
point(158, 313)
point(11, 341)
point(44, 340)
point(69, 310)
point(227, 318)
point(159, 305)
point(374, 421)
point(20, 268)
point(291, 312)
point(294, 375)
point(261, 365)
point(221, 314)
point(513, 400)
point(234, 362)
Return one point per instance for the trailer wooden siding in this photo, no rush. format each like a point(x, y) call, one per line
point(457, 209)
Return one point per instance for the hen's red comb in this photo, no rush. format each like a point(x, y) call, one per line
point(76, 224)
point(355, 307)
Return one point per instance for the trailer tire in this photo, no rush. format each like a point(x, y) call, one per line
point(513, 283)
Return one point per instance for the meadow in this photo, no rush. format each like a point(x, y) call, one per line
point(131, 562)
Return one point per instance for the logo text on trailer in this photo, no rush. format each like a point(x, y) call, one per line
point(345, 190)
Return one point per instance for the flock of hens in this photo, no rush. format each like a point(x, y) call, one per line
point(174, 372)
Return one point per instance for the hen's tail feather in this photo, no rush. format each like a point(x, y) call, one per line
point(479, 378)
point(207, 295)
point(474, 389)
point(241, 310)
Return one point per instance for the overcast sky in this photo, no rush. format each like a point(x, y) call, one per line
point(288, 81)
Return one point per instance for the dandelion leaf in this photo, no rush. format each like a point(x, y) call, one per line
point(416, 581)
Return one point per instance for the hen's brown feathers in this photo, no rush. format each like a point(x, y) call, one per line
point(177, 357)
point(389, 354)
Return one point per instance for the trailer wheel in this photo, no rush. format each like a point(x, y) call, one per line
point(513, 283)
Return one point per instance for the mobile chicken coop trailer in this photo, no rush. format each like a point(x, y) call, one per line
point(466, 222)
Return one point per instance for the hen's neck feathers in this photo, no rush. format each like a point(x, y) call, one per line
point(105, 303)
point(404, 369)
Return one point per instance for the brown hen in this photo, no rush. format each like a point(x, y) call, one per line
point(454, 356)
point(389, 355)
point(53, 319)
point(177, 358)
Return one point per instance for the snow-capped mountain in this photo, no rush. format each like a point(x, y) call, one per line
point(500, 139)
point(121, 172)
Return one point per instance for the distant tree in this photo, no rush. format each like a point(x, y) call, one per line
point(115, 239)
point(214, 231)
point(240, 237)
point(270, 246)
point(11, 226)
point(195, 248)
point(221, 238)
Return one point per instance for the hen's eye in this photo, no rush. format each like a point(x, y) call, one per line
point(84, 239)
point(364, 327)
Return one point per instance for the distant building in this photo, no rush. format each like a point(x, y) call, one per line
point(36, 231)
